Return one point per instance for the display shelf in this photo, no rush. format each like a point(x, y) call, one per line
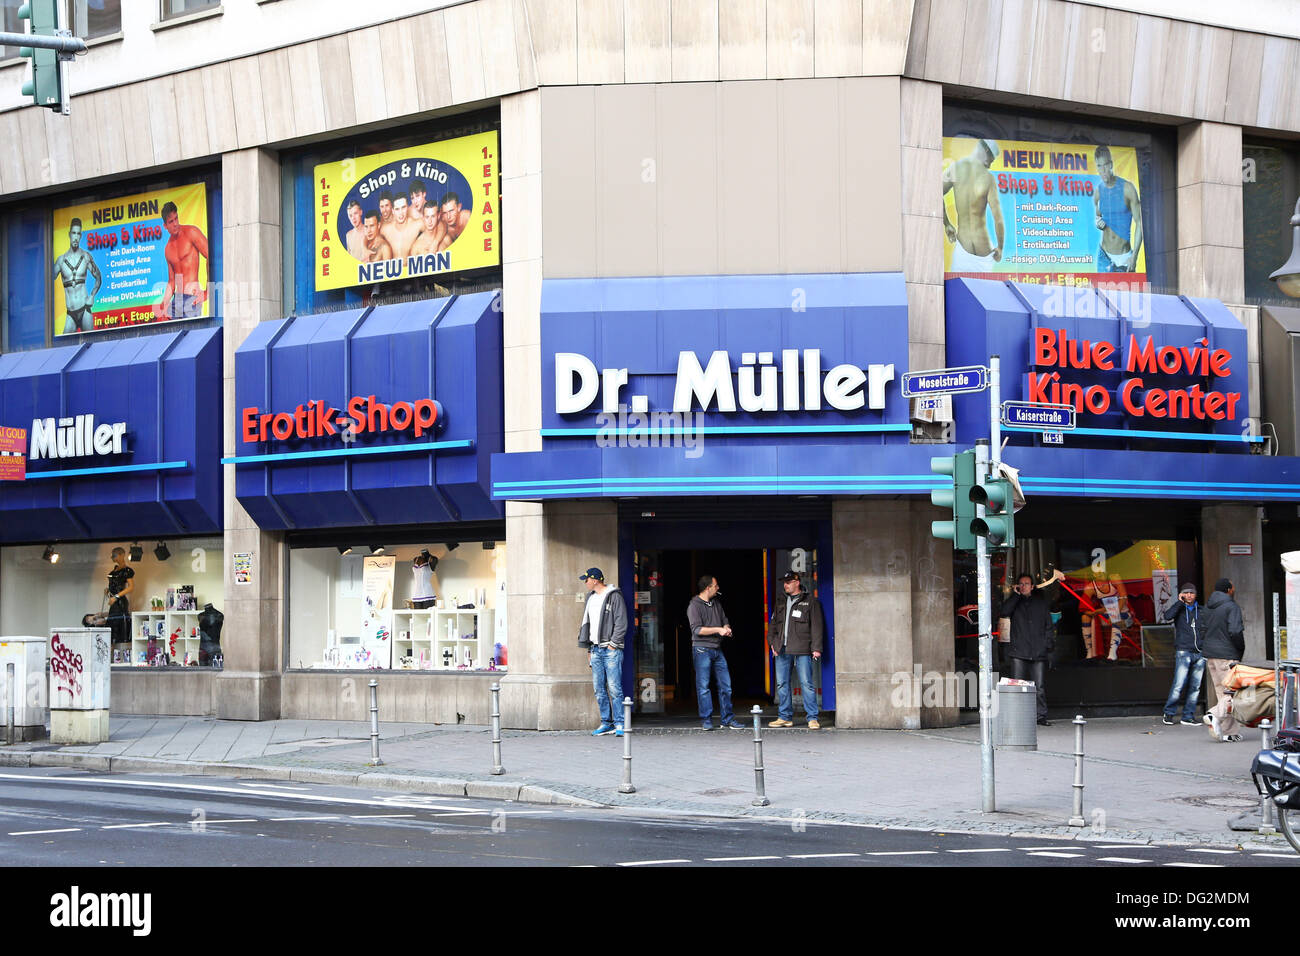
point(187, 622)
point(466, 633)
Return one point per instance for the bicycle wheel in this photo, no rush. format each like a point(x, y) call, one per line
point(1288, 821)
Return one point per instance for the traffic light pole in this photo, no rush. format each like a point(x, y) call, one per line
point(67, 45)
point(988, 797)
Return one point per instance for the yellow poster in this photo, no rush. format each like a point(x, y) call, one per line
point(422, 211)
point(1057, 213)
point(135, 260)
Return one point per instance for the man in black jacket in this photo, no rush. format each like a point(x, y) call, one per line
point(602, 632)
point(795, 635)
point(1188, 620)
point(1032, 640)
point(1223, 645)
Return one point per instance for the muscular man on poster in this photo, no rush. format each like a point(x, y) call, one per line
point(184, 296)
point(404, 228)
point(377, 246)
point(385, 208)
point(454, 219)
point(356, 238)
point(974, 192)
point(419, 199)
point(73, 267)
point(1119, 213)
point(429, 240)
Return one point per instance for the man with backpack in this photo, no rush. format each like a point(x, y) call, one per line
point(1223, 645)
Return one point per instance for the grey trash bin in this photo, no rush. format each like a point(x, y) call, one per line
point(1016, 725)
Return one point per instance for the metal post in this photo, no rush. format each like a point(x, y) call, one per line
point(1266, 823)
point(987, 789)
point(497, 769)
point(9, 703)
point(760, 796)
point(374, 725)
point(1077, 820)
point(995, 410)
point(1277, 660)
point(626, 785)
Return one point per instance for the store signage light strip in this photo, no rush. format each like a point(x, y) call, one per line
point(1127, 433)
point(765, 488)
point(723, 430)
point(110, 470)
point(929, 481)
point(465, 444)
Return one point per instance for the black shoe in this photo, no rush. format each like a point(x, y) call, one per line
point(1168, 721)
point(734, 725)
point(1044, 722)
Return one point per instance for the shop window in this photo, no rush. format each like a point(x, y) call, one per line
point(1054, 178)
point(1270, 187)
point(448, 171)
point(170, 613)
point(52, 295)
point(435, 607)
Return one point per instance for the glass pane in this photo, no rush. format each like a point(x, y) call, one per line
point(26, 277)
point(9, 23)
point(176, 8)
point(96, 18)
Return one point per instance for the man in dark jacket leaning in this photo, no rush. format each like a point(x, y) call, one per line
point(795, 635)
point(604, 626)
point(1223, 645)
point(1032, 641)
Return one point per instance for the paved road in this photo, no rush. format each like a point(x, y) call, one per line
point(69, 818)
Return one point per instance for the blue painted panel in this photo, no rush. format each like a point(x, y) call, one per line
point(167, 388)
point(447, 349)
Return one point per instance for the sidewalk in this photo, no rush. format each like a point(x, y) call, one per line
point(1144, 782)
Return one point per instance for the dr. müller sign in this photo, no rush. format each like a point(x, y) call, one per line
point(802, 384)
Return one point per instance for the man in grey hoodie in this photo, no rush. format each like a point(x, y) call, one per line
point(1223, 645)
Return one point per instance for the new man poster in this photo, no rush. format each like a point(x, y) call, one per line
point(424, 211)
point(1062, 214)
point(135, 260)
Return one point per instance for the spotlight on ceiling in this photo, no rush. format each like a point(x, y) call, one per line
point(137, 552)
point(344, 549)
point(452, 546)
point(161, 552)
point(376, 549)
point(50, 555)
point(489, 545)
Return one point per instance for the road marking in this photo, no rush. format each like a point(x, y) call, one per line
point(39, 832)
point(737, 859)
point(1277, 856)
point(131, 826)
point(818, 856)
point(991, 849)
point(277, 786)
point(1061, 856)
point(1122, 846)
point(903, 852)
point(1055, 846)
point(652, 862)
point(377, 816)
point(1219, 865)
point(1208, 850)
point(1120, 859)
point(296, 819)
point(244, 820)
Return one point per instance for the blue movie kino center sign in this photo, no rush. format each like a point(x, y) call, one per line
point(721, 384)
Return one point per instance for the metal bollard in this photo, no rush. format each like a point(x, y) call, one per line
point(1079, 723)
point(626, 785)
point(496, 730)
point(760, 797)
point(1266, 822)
point(374, 725)
point(9, 704)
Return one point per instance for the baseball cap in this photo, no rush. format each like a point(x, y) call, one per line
point(791, 576)
point(596, 573)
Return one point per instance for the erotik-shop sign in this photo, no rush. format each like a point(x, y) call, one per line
point(1137, 395)
point(362, 415)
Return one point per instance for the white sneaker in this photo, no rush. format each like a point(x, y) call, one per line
point(1212, 722)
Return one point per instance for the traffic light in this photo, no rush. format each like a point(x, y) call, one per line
point(999, 523)
point(962, 469)
point(46, 85)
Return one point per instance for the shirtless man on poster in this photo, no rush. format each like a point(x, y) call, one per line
point(1119, 217)
point(184, 296)
point(973, 193)
point(377, 246)
point(454, 219)
point(356, 239)
point(419, 198)
point(404, 228)
point(429, 240)
point(385, 208)
point(73, 267)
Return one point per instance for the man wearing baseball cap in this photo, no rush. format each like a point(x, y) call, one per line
point(794, 635)
point(1184, 613)
point(604, 626)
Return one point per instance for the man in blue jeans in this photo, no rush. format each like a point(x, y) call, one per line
point(709, 625)
point(795, 635)
point(1189, 665)
point(604, 626)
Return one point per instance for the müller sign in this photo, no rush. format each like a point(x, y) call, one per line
point(365, 415)
point(1053, 349)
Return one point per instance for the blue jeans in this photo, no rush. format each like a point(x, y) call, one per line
point(607, 679)
point(1189, 668)
point(807, 668)
point(710, 659)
